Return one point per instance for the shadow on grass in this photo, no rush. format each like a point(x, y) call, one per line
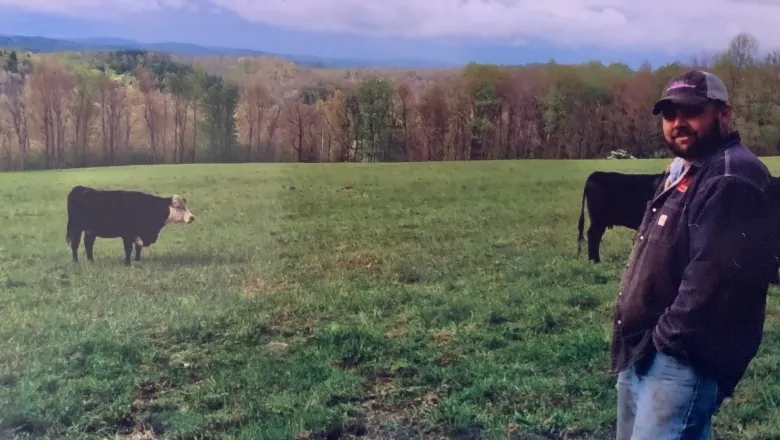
point(169, 259)
point(180, 259)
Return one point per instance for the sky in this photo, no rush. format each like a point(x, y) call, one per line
point(445, 31)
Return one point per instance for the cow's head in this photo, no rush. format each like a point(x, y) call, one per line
point(178, 211)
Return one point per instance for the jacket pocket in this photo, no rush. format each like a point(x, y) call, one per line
point(664, 225)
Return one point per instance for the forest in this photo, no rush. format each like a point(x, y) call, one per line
point(86, 109)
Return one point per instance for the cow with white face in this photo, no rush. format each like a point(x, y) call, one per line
point(178, 211)
point(134, 216)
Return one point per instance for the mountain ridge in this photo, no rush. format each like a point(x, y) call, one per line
point(40, 44)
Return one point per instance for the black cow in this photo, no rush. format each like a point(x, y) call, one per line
point(614, 199)
point(134, 216)
point(773, 191)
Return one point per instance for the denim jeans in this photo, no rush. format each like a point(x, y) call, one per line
point(665, 400)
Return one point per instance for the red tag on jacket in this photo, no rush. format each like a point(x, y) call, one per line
point(683, 185)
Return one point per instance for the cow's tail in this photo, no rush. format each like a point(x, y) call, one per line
point(70, 217)
point(71, 202)
point(581, 223)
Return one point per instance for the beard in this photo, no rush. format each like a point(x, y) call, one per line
point(700, 145)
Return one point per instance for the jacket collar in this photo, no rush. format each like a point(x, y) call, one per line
point(730, 140)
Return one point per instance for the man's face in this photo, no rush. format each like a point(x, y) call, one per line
point(691, 130)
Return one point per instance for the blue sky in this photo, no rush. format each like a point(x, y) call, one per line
point(447, 31)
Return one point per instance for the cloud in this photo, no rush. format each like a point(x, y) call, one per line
point(673, 26)
point(669, 25)
point(94, 8)
point(176, 4)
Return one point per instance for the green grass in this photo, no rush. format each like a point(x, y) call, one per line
point(393, 301)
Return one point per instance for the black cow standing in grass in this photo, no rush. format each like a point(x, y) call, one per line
point(135, 217)
point(614, 199)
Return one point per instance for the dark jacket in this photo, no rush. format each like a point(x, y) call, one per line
point(696, 281)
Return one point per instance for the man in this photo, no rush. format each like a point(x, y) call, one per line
point(690, 311)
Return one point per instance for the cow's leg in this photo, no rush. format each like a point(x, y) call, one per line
point(128, 242)
point(595, 232)
point(89, 243)
point(138, 248)
point(74, 239)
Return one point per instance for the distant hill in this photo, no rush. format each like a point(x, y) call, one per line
point(37, 44)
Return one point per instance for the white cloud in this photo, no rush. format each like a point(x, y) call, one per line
point(673, 25)
point(678, 26)
point(99, 8)
point(175, 4)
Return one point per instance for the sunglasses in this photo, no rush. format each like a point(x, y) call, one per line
point(671, 111)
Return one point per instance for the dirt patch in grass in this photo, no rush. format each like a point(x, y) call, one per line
point(397, 331)
point(287, 323)
point(135, 425)
point(360, 261)
point(446, 358)
point(402, 419)
point(442, 337)
point(254, 286)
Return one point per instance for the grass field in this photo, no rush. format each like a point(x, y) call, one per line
point(429, 300)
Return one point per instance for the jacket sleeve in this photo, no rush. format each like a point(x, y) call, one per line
point(731, 247)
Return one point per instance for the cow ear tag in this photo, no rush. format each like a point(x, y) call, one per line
point(662, 220)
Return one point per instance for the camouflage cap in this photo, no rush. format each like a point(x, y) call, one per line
point(694, 87)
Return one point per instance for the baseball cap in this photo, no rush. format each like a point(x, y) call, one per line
point(694, 87)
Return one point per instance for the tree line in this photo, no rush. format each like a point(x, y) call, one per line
point(136, 107)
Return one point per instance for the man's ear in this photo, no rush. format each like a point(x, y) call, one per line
point(724, 117)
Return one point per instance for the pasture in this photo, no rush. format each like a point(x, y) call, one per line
point(427, 300)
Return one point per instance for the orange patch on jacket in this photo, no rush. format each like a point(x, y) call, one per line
point(683, 185)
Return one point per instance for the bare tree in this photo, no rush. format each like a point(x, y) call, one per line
point(14, 103)
point(255, 103)
point(84, 112)
point(52, 87)
point(113, 103)
point(147, 84)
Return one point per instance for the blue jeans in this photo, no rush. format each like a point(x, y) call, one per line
point(666, 400)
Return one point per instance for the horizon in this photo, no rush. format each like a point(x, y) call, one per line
point(448, 33)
